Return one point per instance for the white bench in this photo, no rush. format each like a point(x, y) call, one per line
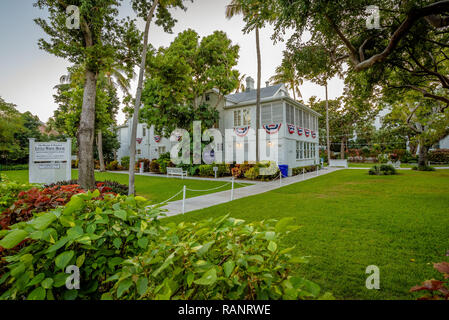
point(176, 172)
point(338, 163)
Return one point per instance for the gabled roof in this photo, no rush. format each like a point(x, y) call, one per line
point(249, 95)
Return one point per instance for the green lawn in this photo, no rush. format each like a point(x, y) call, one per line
point(157, 189)
point(403, 165)
point(351, 220)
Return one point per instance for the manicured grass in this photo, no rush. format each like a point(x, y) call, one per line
point(403, 165)
point(351, 220)
point(157, 189)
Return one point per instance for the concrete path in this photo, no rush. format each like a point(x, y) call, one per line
point(209, 200)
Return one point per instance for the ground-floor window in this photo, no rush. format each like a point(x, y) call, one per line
point(305, 150)
point(298, 150)
point(161, 150)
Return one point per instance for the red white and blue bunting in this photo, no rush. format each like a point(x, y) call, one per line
point(291, 128)
point(272, 128)
point(307, 131)
point(139, 140)
point(241, 132)
point(300, 131)
point(313, 134)
point(157, 139)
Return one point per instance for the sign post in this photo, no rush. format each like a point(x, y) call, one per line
point(50, 162)
point(215, 171)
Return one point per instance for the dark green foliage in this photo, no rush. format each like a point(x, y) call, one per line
point(95, 235)
point(439, 156)
point(423, 168)
point(181, 75)
point(220, 258)
point(154, 166)
point(124, 162)
point(9, 191)
point(298, 170)
point(382, 169)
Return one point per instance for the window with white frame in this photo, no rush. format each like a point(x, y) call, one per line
point(237, 118)
point(161, 150)
point(277, 112)
point(246, 114)
point(271, 113)
point(298, 150)
point(144, 131)
point(290, 114)
point(242, 117)
point(297, 123)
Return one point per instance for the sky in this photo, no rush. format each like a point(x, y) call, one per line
point(28, 75)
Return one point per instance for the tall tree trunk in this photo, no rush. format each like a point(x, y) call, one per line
point(100, 150)
point(423, 153)
point(86, 133)
point(342, 148)
point(135, 121)
point(327, 126)
point(259, 76)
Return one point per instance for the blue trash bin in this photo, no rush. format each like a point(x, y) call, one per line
point(284, 170)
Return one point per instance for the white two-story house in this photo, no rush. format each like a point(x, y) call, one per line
point(295, 123)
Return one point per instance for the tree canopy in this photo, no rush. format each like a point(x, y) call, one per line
point(180, 76)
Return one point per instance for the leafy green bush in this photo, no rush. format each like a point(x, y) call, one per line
point(298, 170)
point(9, 190)
point(439, 156)
point(252, 173)
point(94, 235)
point(113, 165)
point(383, 169)
point(206, 170)
point(154, 166)
point(423, 168)
point(124, 162)
point(221, 258)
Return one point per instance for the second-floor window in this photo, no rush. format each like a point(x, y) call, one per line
point(271, 113)
point(242, 117)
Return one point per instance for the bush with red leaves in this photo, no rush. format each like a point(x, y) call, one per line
point(436, 289)
point(40, 200)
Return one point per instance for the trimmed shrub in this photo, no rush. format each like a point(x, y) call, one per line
point(383, 169)
point(146, 164)
point(439, 156)
point(423, 168)
point(206, 170)
point(252, 173)
point(112, 166)
point(124, 162)
point(154, 166)
point(298, 170)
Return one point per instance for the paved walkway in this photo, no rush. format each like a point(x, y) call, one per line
point(209, 200)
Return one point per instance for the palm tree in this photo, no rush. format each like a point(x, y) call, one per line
point(233, 9)
point(286, 73)
point(241, 85)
